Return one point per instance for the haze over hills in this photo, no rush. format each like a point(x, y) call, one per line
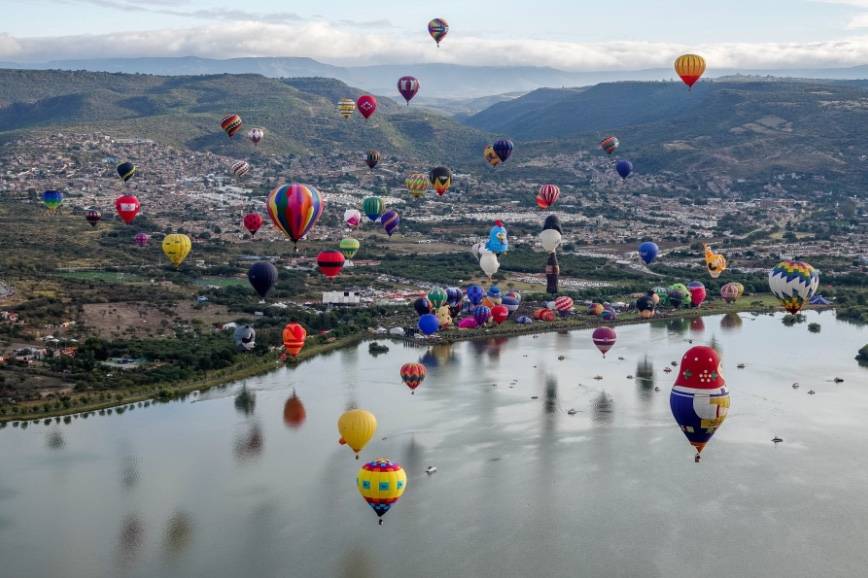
point(438, 80)
point(299, 114)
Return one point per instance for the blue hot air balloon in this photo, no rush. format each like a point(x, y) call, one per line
point(503, 149)
point(262, 277)
point(648, 251)
point(475, 294)
point(624, 168)
point(428, 324)
point(481, 314)
point(454, 295)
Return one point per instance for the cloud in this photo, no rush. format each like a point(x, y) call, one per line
point(343, 43)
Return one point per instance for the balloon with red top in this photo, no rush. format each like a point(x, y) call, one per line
point(699, 399)
point(128, 207)
point(604, 338)
point(367, 105)
point(330, 262)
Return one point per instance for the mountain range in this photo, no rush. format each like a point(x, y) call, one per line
point(439, 81)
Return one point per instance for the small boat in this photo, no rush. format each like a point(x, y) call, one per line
point(561, 357)
point(667, 370)
point(838, 380)
point(811, 392)
point(740, 366)
point(430, 470)
point(598, 377)
point(534, 397)
point(629, 377)
point(657, 388)
point(572, 412)
point(777, 440)
point(795, 386)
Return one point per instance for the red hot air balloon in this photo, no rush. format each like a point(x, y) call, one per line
point(252, 222)
point(231, 124)
point(128, 207)
point(367, 105)
point(604, 339)
point(499, 314)
point(547, 196)
point(564, 305)
point(330, 262)
point(408, 86)
point(413, 374)
point(293, 338)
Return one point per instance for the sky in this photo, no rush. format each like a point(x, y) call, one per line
point(569, 34)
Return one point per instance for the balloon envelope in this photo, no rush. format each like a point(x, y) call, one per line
point(604, 339)
point(367, 105)
point(127, 207)
point(294, 209)
point(352, 218)
point(253, 222)
point(262, 277)
point(547, 196)
point(356, 428)
point(624, 168)
point(390, 219)
point(648, 252)
point(294, 336)
point(176, 247)
point(408, 86)
point(793, 283)
point(381, 483)
point(428, 324)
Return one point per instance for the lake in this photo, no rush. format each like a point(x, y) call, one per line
point(523, 487)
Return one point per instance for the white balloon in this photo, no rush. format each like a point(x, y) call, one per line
point(550, 239)
point(477, 249)
point(489, 263)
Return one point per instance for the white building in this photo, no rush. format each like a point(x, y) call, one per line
point(341, 297)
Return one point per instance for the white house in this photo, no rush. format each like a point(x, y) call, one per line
point(348, 297)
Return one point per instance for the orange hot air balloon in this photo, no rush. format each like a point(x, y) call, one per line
point(293, 338)
point(690, 68)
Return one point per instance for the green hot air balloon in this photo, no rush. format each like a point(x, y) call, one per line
point(349, 247)
point(373, 207)
point(437, 297)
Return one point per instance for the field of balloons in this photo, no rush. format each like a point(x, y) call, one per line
point(699, 398)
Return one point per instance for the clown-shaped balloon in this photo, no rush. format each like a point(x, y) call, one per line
point(381, 483)
point(498, 243)
point(699, 398)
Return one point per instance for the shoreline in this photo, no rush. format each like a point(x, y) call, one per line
point(254, 367)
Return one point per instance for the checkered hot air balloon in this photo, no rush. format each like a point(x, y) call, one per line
point(381, 483)
point(413, 374)
point(294, 209)
point(699, 399)
point(794, 283)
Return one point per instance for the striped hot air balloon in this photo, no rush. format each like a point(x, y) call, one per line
point(349, 247)
point(346, 107)
point(794, 283)
point(390, 219)
point(294, 209)
point(381, 483)
point(372, 158)
point(690, 68)
point(330, 262)
point(417, 184)
point(293, 338)
point(240, 168)
point(547, 196)
point(610, 144)
point(231, 124)
point(413, 374)
point(604, 339)
point(564, 305)
point(438, 29)
point(373, 207)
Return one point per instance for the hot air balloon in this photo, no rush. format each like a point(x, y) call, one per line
point(604, 339)
point(437, 296)
point(564, 305)
point(381, 483)
point(422, 306)
point(413, 374)
point(93, 216)
point(244, 338)
point(255, 135)
point(408, 86)
point(645, 306)
point(490, 156)
point(498, 242)
point(444, 316)
point(503, 149)
point(489, 264)
point(352, 218)
point(499, 314)
point(252, 222)
point(357, 427)
point(481, 314)
point(740, 288)
point(372, 158)
point(468, 323)
point(262, 277)
point(52, 199)
point(493, 296)
point(624, 168)
point(367, 105)
point(546, 314)
point(428, 324)
point(610, 144)
point(690, 67)
point(176, 247)
point(294, 209)
point(231, 124)
point(714, 262)
point(441, 179)
point(729, 292)
point(595, 309)
point(438, 29)
point(346, 107)
point(373, 207)
point(553, 272)
point(678, 293)
point(293, 412)
point(551, 235)
point(547, 196)
point(417, 184)
point(475, 294)
point(127, 207)
point(240, 168)
point(390, 220)
point(126, 171)
point(330, 262)
point(648, 251)
point(523, 320)
point(699, 398)
point(794, 283)
point(697, 293)
point(454, 295)
point(142, 239)
point(511, 301)
point(349, 247)
point(293, 338)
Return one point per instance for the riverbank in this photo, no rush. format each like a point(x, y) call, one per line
point(250, 367)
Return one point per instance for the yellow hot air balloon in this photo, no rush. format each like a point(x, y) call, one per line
point(715, 262)
point(357, 427)
point(381, 483)
point(346, 107)
point(690, 67)
point(176, 247)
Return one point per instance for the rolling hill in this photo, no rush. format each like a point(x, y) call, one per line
point(298, 113)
